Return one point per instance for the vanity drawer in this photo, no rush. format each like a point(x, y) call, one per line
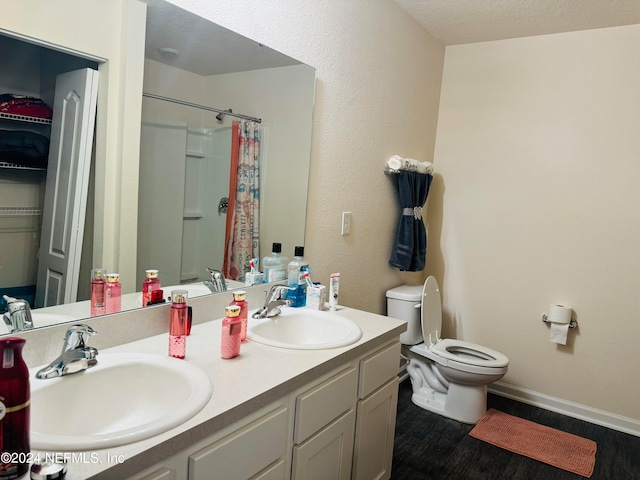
point(322, 404)
point(378, 368)
point(243, 453)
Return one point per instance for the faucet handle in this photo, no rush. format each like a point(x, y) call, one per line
point(276, 291)
point(217, 279)
point(19, 315)
point(76, 336)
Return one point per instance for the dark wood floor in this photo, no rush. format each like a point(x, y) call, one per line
point(432, 447)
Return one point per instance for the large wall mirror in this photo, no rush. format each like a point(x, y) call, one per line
point(194, 68)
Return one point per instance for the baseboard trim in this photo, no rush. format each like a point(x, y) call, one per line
point(565, 407)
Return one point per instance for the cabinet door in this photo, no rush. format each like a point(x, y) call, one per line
point(328, 453)
point(325, 402)
point(245, 452)
point(375, 430)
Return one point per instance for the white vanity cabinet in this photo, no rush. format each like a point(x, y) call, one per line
point(376, 414)
point(339, 426)
point(257, 450)
point(257, 447)
point(325, 427)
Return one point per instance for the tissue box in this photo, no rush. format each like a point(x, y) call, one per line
point(316, 296)
point(251, 279)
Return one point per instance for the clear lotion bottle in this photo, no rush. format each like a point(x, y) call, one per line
point(275, 265)
point(231, 333)
point(178, 324)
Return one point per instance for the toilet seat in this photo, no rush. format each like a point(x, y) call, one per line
point(469, 353)
point(452, 361)
point(448, 350)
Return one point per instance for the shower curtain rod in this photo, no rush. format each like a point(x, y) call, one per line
point(202, 107)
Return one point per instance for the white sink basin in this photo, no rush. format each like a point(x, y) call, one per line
point(304, 329)
point(126, 397)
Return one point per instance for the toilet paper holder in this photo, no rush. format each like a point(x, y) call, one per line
point(572, 323)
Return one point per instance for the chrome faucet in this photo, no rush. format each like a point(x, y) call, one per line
point(18, 318)
point(217, 283)
point(273, 302)
point(76, 355)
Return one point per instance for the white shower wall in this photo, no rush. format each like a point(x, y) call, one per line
point(184, 171)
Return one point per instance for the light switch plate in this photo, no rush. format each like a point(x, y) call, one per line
point(346, 223)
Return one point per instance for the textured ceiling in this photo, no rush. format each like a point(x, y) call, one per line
point(469, 21)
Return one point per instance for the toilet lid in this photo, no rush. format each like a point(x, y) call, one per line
point(469, 353)
point(431, 310)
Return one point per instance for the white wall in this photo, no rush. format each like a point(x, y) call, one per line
point(378, 76)
point(537, 202)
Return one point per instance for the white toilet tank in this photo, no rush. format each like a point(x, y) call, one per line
point(404, 303)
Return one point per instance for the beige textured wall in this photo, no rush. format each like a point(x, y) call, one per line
point(378, 84)
point(537, 202)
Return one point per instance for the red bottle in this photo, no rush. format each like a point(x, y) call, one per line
point(150, 283)
point(98, 292)
point(239, 300)
point(178, 324)
point(231, 329)
point(14, 409)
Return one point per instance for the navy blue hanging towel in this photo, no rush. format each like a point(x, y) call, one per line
point(410, 248)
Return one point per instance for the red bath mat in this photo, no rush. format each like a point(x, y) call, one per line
point(555, 447)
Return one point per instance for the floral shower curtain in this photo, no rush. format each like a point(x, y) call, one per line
point(242, 239)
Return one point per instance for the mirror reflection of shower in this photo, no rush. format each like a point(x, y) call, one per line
point(184, 171)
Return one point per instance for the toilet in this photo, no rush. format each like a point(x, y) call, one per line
point(448, 377)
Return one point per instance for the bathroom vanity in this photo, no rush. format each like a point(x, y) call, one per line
point(274, 413)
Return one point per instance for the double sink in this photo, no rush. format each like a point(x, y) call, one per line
point(129, 397)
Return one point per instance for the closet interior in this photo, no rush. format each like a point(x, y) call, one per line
point(27, 89)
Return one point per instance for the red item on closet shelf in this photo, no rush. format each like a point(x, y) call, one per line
point(24, 105)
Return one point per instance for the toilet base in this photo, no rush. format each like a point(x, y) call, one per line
point(463, 403)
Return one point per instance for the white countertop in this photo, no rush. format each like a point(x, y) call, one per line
point(260, 375)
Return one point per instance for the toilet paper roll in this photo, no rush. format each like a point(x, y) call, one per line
point(559, 316)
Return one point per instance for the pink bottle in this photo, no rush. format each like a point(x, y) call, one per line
point(239, 300)
point(231, 331)
point(14, 409)
point(114, 293)
point(178, 324)
point(150, 283)
point(98, 292)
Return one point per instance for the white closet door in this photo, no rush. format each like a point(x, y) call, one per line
point(74, 115)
